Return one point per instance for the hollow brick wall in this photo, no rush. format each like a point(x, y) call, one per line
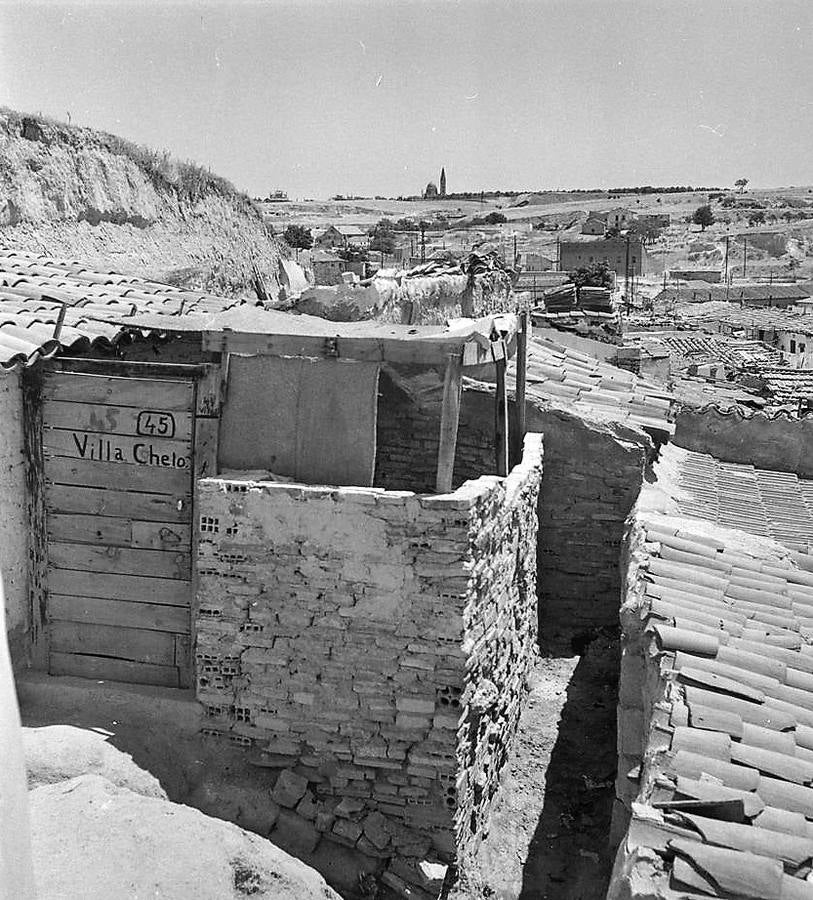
point(356, 637)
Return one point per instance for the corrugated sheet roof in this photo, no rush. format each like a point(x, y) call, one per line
point(778, 505)
point(564, 376)
point(34, 290)
point(723, 628)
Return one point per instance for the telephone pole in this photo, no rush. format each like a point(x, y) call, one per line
point(744, 254)
point(726, 257)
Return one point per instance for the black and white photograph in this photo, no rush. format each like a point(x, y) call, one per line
point(406, 450)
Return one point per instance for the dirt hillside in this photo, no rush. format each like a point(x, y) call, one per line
point(87, 195)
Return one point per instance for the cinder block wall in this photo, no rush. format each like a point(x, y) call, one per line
point(408, 437)
point(593, 473)
point(374, 644)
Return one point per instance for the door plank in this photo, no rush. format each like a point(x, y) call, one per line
point(104, 668)
point(118, 532)
point(114, 476)
point(134, 588)
point(120, 613)
point(63, 498)
point(144, 421)
point(120, 560)
point(148, 393)
point(133, 644)
point(129, 451)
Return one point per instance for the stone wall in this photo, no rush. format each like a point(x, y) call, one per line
point(372, 646)
point(14, 528)
point(778, 443)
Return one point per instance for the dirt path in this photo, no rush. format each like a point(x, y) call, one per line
point(550, 827)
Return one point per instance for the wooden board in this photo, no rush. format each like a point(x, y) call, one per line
point(61, 498)
point(106, 669)
point(89, 473)
point(158, 423)
point(118, 494)
point(120, 613)
point(134, 588)
point(143, 392)
point(132, 644)
point(120, 560)
point(131, 451)
point(88, 529)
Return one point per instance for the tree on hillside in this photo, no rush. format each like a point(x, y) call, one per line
point(382, 236)
point(495, 218)
point(597, 274)
point(740, 184)
point(756, 218)
point(298, 236)
point(703, 216)
point(406, 225)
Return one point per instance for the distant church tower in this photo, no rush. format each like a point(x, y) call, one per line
point(443, 182)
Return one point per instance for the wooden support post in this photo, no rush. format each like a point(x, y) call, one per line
point(449, 418)
point(518, 419)
point(501, 415)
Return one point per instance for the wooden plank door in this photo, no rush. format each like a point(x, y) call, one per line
point(118, 501)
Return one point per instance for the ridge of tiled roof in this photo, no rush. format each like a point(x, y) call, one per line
point(35, 289)
point(566, 377)
point(759, 501)
point(716, 715)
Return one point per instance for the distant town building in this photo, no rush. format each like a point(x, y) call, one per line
point(277, 197)
point(712, 276)
point(340, 236)
point(431, 191)
point(619, 218)
point(595, 224)
point(443, 182)
point(535, 262)
point(618, 253)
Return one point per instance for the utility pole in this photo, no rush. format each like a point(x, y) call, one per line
point(726, 257)
point(558, 255)
point(744, 254)
point(423, 242)
point(515, 249)
point(627, 270)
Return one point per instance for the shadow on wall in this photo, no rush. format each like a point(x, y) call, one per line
point(569, 856)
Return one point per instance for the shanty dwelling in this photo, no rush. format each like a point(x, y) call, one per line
point(213, 503)
point(715, 721)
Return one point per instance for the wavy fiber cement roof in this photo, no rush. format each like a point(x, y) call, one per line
point(34, 290)
point(725, 630)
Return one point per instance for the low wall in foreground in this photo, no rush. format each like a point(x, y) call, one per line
point(372, 646)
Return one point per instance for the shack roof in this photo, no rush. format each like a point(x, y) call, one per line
point(35, 290)
point(256, 331)
point(560, 375)
point(721, 623)
point(772, 504)
point(747, 293)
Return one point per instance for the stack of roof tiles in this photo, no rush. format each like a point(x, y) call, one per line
point(778, 505)
point(35, 291)
point(717, 709)
point(566, 377)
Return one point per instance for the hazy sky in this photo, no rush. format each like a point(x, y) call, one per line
point(373, 97)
